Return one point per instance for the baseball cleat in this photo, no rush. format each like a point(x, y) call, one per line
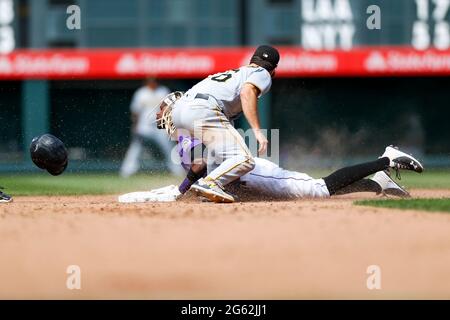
point(389, 186)
point(212, 191)
point(400, 160)
point(4, 198)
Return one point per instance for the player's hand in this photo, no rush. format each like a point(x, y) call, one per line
point(263, 142)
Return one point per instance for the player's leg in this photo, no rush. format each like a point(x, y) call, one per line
point(228, 159)
point(227, 147)
point(231, 157)
point(392, 158)
point(381, 182)
point(272, 181)
point(349, 175)
point(363, 185)
point(230, 153)
point(130, 164)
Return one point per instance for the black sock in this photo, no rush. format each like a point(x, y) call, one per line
point(346, 176)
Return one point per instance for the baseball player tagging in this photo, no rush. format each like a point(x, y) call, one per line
point(207, 110)
point(201, 119)
point(268, 180)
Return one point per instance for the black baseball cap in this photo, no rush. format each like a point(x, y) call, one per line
point(266, 57)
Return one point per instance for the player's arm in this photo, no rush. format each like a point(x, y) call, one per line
point(196, 171)
point(249, 100)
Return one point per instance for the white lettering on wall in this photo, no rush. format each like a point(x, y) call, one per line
point(327, 25)
point(7, 38)
point(431, 29)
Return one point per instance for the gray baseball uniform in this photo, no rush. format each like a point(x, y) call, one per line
point(206, 112)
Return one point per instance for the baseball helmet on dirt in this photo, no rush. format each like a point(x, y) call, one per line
point(49, 153)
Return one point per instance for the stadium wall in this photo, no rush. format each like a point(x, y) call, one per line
point(320, 119)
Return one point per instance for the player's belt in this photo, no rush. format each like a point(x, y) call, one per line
point(205, 96)
point(202, 96)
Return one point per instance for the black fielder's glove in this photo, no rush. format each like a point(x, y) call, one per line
point(49, 153)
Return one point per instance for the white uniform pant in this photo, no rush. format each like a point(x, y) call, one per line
point(228, 156)
point(270, 180)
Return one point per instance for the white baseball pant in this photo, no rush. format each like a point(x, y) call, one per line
point(269, 179)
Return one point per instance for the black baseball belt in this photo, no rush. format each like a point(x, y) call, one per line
point(202, 96)
point(206, 96)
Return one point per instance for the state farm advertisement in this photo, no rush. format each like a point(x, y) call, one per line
point(196, 63)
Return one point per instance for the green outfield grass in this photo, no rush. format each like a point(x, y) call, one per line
point(441, 205)
point(109, 183)
point(78, 184)
point(430, 179)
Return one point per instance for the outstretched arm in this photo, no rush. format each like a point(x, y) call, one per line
point(249, 100)
point(168, 193)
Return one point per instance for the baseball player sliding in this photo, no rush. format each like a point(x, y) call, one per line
point(268, 181)
point(202, 119)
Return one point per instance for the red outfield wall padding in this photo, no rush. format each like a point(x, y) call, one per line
point(196, 63)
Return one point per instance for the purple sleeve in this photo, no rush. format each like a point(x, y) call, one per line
point(184, 147)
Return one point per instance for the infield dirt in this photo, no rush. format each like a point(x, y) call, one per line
point(189, 250)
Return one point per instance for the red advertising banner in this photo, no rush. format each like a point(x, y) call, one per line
point(196, 63)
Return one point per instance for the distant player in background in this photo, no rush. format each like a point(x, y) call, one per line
point(143, 117)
